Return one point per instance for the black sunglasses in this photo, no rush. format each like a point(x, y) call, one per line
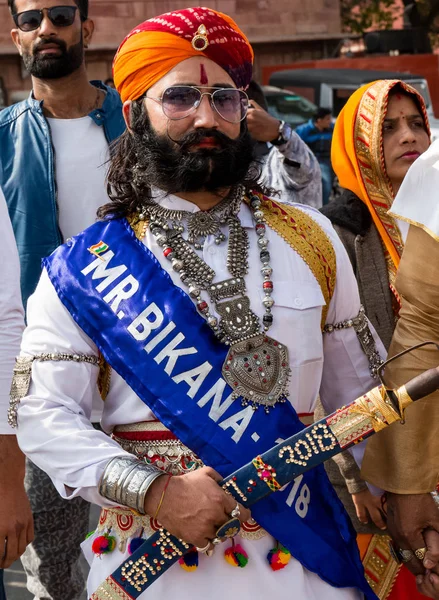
point(60, 16)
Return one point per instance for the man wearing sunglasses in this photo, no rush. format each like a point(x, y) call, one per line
point(54, 148)
point(201, 293)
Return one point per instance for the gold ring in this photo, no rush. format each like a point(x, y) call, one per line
point(420, 553)
point(203, 549)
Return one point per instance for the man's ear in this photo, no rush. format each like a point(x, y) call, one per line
point(88, 27)
point(126, 111)
point(15, 35)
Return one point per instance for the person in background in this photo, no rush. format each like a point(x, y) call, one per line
point(405, 464)
point(317, 133)
point(287, 163)
point(16, 524)
point(109, 82)
point(380, 132)
point(54, 150)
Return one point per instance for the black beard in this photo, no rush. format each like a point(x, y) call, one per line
point(170, 165)
point(54, 67)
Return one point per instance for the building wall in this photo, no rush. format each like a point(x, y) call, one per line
point(280, 30)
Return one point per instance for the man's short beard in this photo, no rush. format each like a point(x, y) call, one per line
point(54, 67)
point(172, 167)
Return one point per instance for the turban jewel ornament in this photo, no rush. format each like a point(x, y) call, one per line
point(156, 46)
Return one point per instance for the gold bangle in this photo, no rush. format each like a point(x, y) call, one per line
point(162, 496)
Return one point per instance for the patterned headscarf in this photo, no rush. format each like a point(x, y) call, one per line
point(357, 157)
point(153, 48)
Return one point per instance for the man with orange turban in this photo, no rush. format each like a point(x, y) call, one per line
point(202, 295)
point(156, 46)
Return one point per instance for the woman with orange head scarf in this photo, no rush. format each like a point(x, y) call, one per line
point(380, 132)
point(378, 135)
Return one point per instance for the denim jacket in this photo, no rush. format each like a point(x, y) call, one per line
point(318, 141)
point(27, 177)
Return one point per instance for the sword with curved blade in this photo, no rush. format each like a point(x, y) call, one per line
point(267, 473)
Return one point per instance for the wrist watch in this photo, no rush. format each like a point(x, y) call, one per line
point(284, 134)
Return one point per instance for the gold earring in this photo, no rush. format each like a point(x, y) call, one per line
point(200, 41)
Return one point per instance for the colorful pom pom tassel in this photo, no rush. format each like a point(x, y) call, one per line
point(189, 561)
point(135, 544)
point(278, 557)
point(103, 544)
point(236, 555)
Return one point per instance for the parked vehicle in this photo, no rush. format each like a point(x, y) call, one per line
point(331, 88)
point(287, 106)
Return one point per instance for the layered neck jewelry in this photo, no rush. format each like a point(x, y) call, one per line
point(202, 223)
point(256, 366)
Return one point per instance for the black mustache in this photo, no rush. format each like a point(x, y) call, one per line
point(41, 45)
point(196, 137)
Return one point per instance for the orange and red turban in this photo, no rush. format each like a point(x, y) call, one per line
point(156, 46)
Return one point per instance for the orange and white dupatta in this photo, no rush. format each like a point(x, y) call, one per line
point(358, 160)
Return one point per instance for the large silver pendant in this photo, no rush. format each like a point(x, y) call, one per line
point(257, 370)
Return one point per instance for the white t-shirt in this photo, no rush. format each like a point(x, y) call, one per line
point(81, 165)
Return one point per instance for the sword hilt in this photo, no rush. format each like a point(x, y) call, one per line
point(417, 388)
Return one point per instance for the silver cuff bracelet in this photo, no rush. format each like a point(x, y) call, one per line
point(365, 337)
point(126, 481)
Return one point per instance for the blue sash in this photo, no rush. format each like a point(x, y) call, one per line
point(149, 331)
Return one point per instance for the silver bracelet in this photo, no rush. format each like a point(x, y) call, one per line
point(126, 481)
point(365, 337)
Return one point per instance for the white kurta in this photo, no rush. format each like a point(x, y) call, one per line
point(55, 430)
point(416, 202)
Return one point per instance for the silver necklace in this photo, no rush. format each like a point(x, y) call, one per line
point(201, 223)
point(256, 366)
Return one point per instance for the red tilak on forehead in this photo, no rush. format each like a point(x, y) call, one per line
point(398, 96)
point(203, 75)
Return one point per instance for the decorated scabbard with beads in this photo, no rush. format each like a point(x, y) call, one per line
point(268, 473)
point(315, 444)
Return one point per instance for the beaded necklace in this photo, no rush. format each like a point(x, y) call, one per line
point(256, 366)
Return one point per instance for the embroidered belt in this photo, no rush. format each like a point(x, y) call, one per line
point(154, 443)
